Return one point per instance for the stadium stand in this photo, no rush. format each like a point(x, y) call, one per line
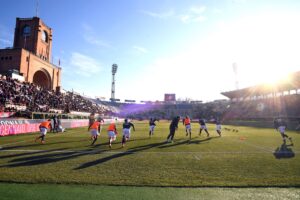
point(167, 110)
point(266, 101)
point(16, 96)
point(253, 103)
point(284, 106)
point(290, 85)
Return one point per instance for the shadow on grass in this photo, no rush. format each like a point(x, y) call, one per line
point(114, 143)
point(54, 156)
point(66, 155)
point(284, 152)
point(141, 148)
point(177, 143)
point(138, 139)
point(30, 153)
point(48, 158)
point(118, 155)
point(38, 144)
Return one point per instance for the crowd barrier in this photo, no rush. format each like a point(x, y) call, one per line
point(6, 114)
point(15, 126)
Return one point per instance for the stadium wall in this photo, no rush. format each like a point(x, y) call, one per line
point(15, 126)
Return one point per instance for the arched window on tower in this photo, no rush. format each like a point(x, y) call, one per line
point(44, 36)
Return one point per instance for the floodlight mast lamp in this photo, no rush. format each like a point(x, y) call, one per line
point(113, 72)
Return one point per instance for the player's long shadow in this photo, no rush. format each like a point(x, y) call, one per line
point(189, 142)
point(19, 146)
point(36, 144)
point(120, 142)
point(135, 150)
point(284, 152)
point(31, 153)
point(203, 140)
point(118, 155)
point(137, 139)
point(48, 158)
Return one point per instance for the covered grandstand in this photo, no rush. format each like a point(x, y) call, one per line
point(265, 102)
point(287, 86)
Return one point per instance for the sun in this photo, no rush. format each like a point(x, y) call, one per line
point(272, 80)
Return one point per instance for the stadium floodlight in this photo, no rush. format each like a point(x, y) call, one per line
point(113, 71)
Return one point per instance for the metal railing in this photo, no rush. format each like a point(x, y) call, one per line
point(44, 115)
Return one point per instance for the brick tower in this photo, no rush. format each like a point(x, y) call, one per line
point(33, 35)
point(31, 54)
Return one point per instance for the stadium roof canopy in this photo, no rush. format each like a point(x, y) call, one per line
point(291, 83)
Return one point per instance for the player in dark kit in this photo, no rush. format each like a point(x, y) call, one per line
point(54, 123)
point(126, 131)
point(152, 126)
point(91, 118)
point(173, 128)
point(203, 126)
point(91, 121)
point(99, 119)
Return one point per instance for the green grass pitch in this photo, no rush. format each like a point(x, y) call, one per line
point(251, 157)
point(91, 192)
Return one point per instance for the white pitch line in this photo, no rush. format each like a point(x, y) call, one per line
point(253, 145)
point(135, 152)
point(197, 157)
point(259, 147)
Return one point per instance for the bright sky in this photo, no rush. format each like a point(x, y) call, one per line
point(165, 46)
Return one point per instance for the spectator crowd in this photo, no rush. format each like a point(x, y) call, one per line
point(24, 96)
